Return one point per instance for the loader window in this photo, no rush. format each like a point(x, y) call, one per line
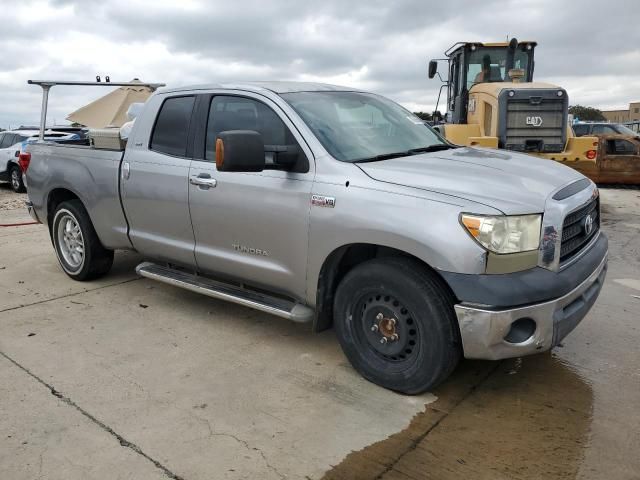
point(456, 84)
point(489, 65)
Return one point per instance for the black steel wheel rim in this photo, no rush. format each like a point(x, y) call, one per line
point(386, 327)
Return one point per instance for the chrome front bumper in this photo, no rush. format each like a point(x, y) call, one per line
point(484, 331)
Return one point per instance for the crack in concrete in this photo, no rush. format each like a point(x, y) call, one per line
point(131, 382)
point(250, 448)
point(213, 433)
point(123, 441)
point(70, 295)
point(41, 461)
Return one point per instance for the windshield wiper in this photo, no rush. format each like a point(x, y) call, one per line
point(431, 148)
point(384, 156)
point(414, 151)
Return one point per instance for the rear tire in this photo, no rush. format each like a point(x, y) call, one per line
point(15, 178)
point(397, 296)
point(79, 251)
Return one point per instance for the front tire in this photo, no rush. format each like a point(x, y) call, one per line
point(79, 251)
point(15, 177)
point(396, 324)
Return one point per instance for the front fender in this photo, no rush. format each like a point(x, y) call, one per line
point(426, 229)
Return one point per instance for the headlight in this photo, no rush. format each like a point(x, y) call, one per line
point(504, 234)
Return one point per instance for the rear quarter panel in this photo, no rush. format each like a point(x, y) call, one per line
point(92, 175)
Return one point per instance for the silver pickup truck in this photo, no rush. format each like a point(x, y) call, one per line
point(337, 207)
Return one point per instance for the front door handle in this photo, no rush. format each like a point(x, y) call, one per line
point(203, 181)
point(126, 170)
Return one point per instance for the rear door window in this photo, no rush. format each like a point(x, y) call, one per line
point(172, 126)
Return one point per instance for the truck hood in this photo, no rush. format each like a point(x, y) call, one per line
point(513, 183)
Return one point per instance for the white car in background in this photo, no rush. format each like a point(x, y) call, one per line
point(13, 142)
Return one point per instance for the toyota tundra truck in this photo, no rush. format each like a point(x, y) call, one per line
point(337, 207)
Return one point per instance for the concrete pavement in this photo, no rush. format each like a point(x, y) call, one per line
point(126, 378)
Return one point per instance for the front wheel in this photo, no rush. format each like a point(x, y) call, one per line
point(396, 324)
point(79, 251)
point(15, 176)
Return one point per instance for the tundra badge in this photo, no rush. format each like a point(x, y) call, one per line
point(253, 251)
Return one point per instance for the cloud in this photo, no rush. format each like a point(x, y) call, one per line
point(377, 45)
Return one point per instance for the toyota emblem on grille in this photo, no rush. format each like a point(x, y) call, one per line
point(588, 224)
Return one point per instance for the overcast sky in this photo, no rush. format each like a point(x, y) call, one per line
point(591, 48)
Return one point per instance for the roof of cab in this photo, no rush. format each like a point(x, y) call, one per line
point(273, 86)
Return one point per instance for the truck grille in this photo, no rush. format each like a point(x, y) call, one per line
point(534, 120)
point(522, 136)
point(575, 235)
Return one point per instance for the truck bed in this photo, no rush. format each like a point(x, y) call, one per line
point(92, 174)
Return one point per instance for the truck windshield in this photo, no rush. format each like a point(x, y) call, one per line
point(623, 130)
point(354, 126)
point(488, 64)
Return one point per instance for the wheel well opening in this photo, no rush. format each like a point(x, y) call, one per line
point(338, 264)
point(55, 198)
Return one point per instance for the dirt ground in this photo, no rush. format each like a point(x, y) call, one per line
point(126, 378)
point(11, 204)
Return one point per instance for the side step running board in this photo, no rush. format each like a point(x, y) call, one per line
point(276, 306)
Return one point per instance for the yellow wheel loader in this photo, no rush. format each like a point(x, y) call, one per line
point(492, 101)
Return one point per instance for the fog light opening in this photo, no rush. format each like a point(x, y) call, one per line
point(521, 330)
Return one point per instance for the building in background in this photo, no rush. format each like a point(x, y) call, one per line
point(632, 114)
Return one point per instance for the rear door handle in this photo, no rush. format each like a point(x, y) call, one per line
point(202, 181)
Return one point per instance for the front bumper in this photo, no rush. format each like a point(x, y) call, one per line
point(483, 331)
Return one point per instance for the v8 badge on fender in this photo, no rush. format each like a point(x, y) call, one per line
point(322, 201)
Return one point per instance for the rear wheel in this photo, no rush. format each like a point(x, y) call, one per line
point(396, 324)
point(79, 251)
point(15, 177)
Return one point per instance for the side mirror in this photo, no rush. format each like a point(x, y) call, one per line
point(240, 151)
point(433, 68)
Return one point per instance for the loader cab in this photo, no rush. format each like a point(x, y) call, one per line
point(471, 63)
